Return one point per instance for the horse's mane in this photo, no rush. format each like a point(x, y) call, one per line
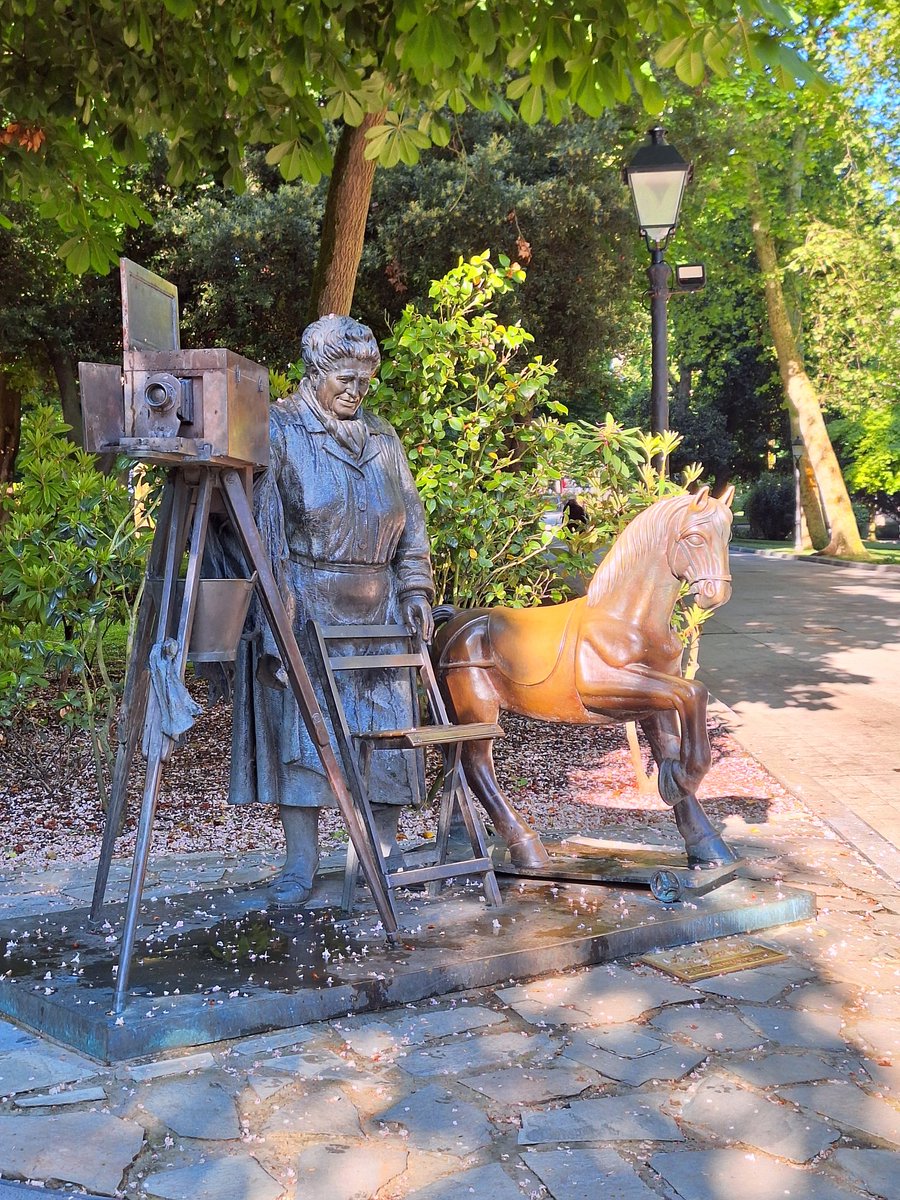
point(643, 533)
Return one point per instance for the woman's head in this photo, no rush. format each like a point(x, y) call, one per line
point(332, 339)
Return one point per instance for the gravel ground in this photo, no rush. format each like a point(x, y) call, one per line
point(560, 777)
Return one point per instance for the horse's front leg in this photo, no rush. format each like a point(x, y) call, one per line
point(641, 690)
point(525, 847)
point(704, 846)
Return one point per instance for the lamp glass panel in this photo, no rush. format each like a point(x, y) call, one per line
point(657, 199)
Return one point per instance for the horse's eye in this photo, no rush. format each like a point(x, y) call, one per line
point(694, 539)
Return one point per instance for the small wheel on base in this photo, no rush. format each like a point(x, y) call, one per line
point(665, 886)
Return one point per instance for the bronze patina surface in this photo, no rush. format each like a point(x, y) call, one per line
point(608, 656)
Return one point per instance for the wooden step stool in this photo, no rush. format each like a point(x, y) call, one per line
point(357, 746)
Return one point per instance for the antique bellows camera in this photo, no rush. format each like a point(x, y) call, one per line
point(168, 405)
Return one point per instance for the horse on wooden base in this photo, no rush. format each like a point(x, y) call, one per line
point(609, 656)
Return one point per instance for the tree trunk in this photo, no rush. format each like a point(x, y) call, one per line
point(64, 369)
point(10, 431)
point(794, 191)
point(814, 533)
point(800, 394)
point(344, 222)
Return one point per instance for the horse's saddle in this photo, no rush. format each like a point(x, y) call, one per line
point(528, 644)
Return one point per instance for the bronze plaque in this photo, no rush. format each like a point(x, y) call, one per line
point(718, 957)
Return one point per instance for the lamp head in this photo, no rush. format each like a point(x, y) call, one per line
point(657, 176)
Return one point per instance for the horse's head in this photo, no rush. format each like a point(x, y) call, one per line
point(698, 554)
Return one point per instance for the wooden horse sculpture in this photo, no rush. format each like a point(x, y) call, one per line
point(609, 656)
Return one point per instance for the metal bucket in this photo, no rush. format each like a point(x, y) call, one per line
point(219, 617)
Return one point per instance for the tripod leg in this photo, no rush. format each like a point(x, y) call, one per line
point(301, 685)
point(134, 701)
point(131, 719)
point(138, 874)
point(160, 744)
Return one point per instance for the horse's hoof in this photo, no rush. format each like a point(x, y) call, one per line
point(528, 851)
point(712, 851)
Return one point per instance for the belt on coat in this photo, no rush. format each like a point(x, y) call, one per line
point(354, 568)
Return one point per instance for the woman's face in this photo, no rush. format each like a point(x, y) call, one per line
point(342, 386)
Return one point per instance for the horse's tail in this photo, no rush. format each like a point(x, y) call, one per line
point(443, 613)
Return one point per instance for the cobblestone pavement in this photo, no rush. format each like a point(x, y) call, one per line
point(615, 1081)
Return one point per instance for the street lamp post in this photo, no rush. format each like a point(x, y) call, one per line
point(657, 175)
point(797, 449)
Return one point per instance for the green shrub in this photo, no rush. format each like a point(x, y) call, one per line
point(770, 507)
point(71, 562)
point(863, 518)
point(486, 445)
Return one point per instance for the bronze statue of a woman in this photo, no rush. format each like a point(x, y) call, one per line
point(344, 526)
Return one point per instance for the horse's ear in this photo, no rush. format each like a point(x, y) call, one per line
point(701, 499)
point(727, 496)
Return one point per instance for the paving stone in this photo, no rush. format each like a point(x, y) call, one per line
point(532, 1085)
point(14, 1038)
point(734, 1113)
point(190, 875)
point(636, 1117)
point(37, 1067)
point(195, 1108)
point(713, 1028)
point(877, 1034)
point(265, 1043)
point(810, 1030)
point(315, 1064)
point(375, 1040)
point(267, 1086)
point(713, 1174)
point(237, 1178)
point(607, 994)
point(36, 905)
point(425, 1026)
point(58, 1099)
point(634, 1058)
point(172, 1066)
point(479, 1183)
point(339, 1172)
point(437, 1121)
point(775, 1070)
point(91, 1149)
point(849, 1107)
point(587, 1174)
point(324, 1110)
point(885, 1075)
point(816, 997)
point(760, 983)
point(878, 1171)
point(883, 1006)
point(25, 1191)
point(469, 1054)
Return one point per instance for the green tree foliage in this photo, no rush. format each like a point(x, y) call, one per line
point(484, 461)
point(82, 85)
point(242, 265)
point(727, 403)
point(548, 197)
point(71, 562)
point(852, 342)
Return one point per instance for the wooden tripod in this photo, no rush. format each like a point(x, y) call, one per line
point(182, 528)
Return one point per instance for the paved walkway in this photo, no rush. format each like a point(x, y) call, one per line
point(807, 657)
point(615, 1081)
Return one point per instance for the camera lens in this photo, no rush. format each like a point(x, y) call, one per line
point(161, 392)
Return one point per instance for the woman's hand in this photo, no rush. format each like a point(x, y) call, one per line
point(416, 613)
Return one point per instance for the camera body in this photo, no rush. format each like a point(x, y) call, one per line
point(177, 405)
point(169, 405)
